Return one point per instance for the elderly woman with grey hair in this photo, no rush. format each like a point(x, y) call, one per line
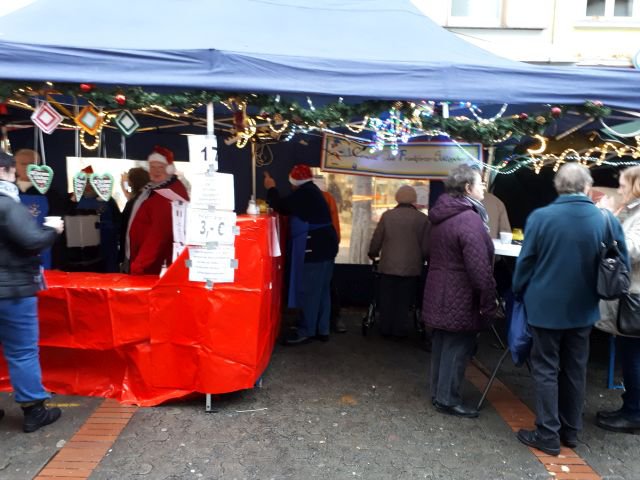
point(556, 274)
point(400, 239)
point(459, 295)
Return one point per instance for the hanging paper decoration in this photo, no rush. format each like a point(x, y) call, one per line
point(89, 120)
point(127, 123)
point(79, 184)
point(46, 117)
point(41, 177)
point(102, 184)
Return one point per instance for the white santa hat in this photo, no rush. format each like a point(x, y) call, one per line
point(163, 155)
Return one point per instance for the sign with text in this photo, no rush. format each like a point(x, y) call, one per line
point(433, 160)
point(213, 190)
point(203, 152)
point(215, 265)
point(205, 226)
point(178, 214)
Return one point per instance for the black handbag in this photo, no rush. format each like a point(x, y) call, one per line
point(613, 275)
point(629, 314)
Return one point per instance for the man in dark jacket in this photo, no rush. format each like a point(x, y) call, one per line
point(314, 246)
point(556, 273)
point(21, 239)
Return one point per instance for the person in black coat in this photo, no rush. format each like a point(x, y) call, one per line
point(21, 276)
point(314, 246)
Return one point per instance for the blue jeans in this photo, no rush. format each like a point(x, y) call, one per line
point(19, 337)
point(315, 299)
point(629, 349)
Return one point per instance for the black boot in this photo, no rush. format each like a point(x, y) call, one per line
point(37, 415)
point(1, 413)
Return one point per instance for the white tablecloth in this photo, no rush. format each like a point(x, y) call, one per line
point(507, 250)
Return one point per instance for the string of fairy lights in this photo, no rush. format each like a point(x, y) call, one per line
point(389, 123)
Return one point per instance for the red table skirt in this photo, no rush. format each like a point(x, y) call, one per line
point(144, 340)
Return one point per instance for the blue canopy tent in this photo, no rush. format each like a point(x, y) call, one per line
point(357, 49)
point(363, 48)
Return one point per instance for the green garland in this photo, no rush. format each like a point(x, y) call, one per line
point(330, 115)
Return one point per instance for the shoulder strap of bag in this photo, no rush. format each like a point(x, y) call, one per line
point(608, 237)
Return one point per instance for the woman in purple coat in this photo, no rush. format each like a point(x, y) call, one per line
point(459, 295)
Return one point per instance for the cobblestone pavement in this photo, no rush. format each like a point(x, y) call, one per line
point(355, 407)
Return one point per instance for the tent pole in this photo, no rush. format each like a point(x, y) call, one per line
point(210, 118)
point(491, 154)
point(253, 169)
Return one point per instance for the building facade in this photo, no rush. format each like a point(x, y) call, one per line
point(582, 32)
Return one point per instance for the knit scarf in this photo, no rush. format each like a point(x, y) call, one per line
point(480, 210)
point(10, 190)
point(140, 199)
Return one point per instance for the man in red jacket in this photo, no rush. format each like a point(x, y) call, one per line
point(149, 242)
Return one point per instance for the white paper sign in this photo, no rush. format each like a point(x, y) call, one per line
point(215, 265)
point(177, 251)
point(214, 190)
point(178, 215)
point(203, 152)
point(274, 239)
point(205, 226)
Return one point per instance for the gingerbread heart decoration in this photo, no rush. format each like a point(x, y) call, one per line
point(102, 184)
point(79, 184)
point(40, 176)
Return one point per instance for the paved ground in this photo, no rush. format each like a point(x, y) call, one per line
point(351, 408)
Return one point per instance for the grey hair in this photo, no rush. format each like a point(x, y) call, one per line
point(572, 178)
point(459, 178)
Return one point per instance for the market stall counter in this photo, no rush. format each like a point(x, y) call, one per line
point(144, 340)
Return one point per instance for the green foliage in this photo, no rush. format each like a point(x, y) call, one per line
point(331, 115)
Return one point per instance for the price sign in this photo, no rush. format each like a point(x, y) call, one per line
point(203, 153)
point(204, 226)
point(213, 190)
point(215, 265)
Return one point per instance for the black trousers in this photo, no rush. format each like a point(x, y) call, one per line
point(559, 370)
point(397, 296)
point(450, 355)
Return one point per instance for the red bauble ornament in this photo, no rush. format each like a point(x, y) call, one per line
point(120, 99)
point(86, 87)
point(523, 116)
point(556, 112)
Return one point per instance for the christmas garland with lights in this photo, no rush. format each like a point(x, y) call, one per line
point(413, 118)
